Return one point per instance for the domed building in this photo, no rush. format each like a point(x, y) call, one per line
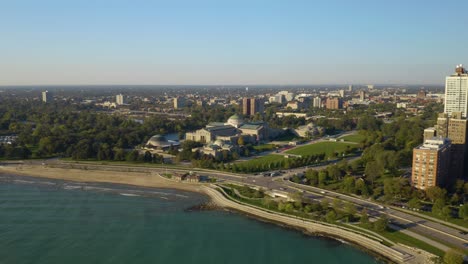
point(235, 121)
point(160, 142)
point(230, 132)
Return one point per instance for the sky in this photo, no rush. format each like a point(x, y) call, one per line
point(79, 42)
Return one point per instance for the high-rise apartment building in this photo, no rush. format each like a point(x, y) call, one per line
point(46, 97)
point(456, 92)
point(334, 103)
point(362, 95)
point(342, 93)
point(120, 99)
point(251, 106)
point(455, 128)
point(431, 162)
point(317, 102)
point(179, 102)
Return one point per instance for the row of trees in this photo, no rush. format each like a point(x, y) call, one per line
point(74, 131)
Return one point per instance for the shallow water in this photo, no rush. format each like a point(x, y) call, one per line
point(57, 222)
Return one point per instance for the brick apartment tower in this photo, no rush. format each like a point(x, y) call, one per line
point(251, 106)
point(334, 103)
point(455, 128)
point(431, 162)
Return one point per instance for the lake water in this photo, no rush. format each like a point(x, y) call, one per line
point(57, 222)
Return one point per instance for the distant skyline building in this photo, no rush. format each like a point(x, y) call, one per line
point(317, 102)
point(342, 93)
point(289, 96)
point(422, 94)
point(251, 106)
point(334, 103)
point(120, 99)
point(362, 95)
point(47, 97)
point(431, 163)
point(350, 88)
point(456, 92)
point(179, 102)
point(278, 98)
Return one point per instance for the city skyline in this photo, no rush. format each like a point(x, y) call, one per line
point(210, 43)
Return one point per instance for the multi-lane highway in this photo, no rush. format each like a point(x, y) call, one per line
point(430, 229)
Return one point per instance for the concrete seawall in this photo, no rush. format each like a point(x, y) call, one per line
point(373, 245)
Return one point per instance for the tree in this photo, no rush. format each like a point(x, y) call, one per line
point(312, 177)
point(322, 177)
point(373, 170)
point(434, 193)
point(463, 211)
point(453, 256)
point(455, 199)
point(414, 203)
point(330, 217)
point(438, 206)
point(348, 184)
point(364, 217)
point(132, 156)
point(268, 202)
point(296, 179)
point(241, 141)
point(446, 212)
point(324, 204)
point(148, 157)
point(381, 224)
point(361, 188)
point(334, 172)
point(288, 208)
point(350, 209)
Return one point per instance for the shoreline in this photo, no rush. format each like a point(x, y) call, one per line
point(137, 179)
point(147, 180)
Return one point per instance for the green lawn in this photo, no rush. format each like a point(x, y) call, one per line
point(357, 138)
point(456, 221)
point(260, 161)
point(399, 237)
point(327, 147)
point(264, 147)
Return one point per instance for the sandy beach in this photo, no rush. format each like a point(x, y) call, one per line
point(78, 175)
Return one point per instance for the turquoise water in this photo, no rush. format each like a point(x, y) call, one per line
point(68, 223)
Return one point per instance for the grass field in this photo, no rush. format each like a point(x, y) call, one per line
point(264, 147)
point(327, 147)
point(456, 221)
point(357, 138)
point(399, 237)
point(260, 161)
